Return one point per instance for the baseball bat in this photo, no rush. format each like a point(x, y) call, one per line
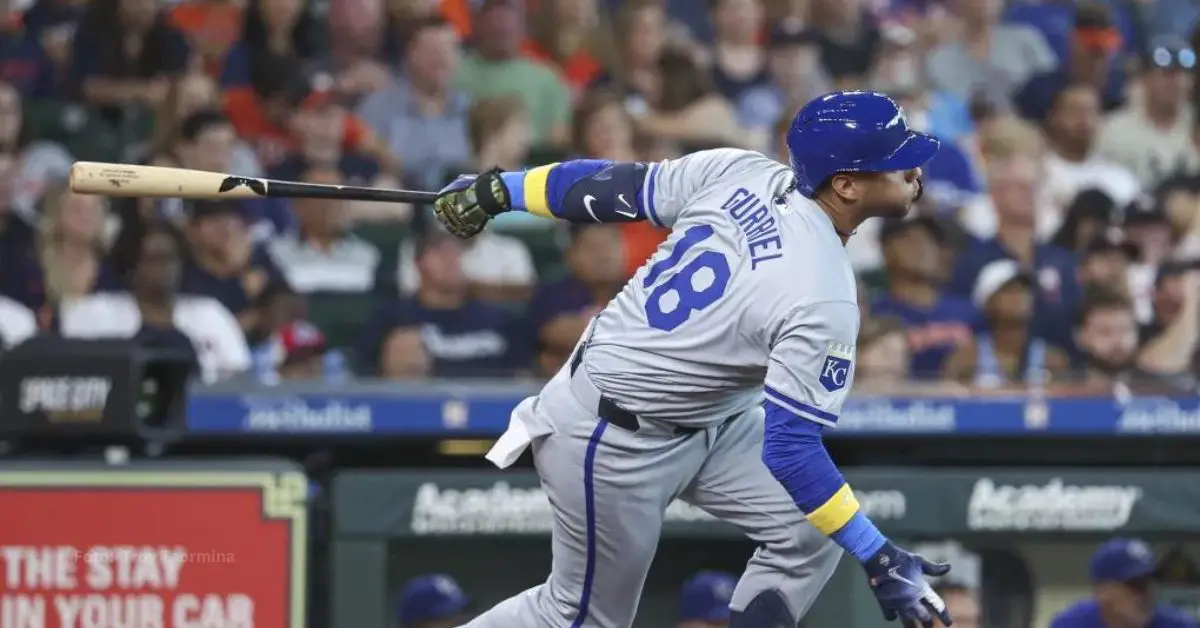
point(160, 182)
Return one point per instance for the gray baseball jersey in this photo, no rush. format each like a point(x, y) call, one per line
point(752, 285)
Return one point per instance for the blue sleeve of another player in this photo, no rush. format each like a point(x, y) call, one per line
point(582, 190)
point(794, 451)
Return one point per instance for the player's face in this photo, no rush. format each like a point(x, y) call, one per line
point(890, 194)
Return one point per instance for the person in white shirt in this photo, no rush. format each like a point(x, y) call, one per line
point(148, 258)
point(17, 323)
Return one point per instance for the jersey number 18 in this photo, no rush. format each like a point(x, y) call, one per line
point(699, 284)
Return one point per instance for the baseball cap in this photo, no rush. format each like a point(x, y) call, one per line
point(431, 597)
point(301, 340)
point(995, 276)
point(1145, 209)
point(790, 32)
point(1169, 53)
point(1123, 560)
point(705, 596)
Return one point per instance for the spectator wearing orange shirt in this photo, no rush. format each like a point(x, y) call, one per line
point(601, 129)
point(283, 29)
point(211, 27)
point(570, 35)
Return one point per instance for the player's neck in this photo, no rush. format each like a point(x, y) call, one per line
point(844, 220)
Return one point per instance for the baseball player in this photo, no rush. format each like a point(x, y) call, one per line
point(663, 398)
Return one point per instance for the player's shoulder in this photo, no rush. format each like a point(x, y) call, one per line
point(720, 162)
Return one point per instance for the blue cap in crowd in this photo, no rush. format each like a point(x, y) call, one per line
point(705, 596)
point(1123, 560)
point(429, 598)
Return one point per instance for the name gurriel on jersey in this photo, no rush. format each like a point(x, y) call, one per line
point(755, 219)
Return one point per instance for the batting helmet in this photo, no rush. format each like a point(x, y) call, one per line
point(853, 132)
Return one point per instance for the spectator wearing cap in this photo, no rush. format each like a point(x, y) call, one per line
point(738, 59)
point(298, 351)
point(1091, 214)
point(420, 115)
point(1145, 223)
point(1122, 572)
point(561, 310)
point(496, 68)
point(125, 53)
point(149, 258)
point(1180, 199)
point(937, 325)
point(1154, 137)
point(1013, 174)
point(322, 256)
point(1105, 262)
point(224, 262)
point(1073, 163)
point(441, 330)
point(849, 42)
point(1089, 53)
point(704, 600)
point(1008, 350)
point(794, 76)
point(432, 601)
point(990, 57)
point(1170, 341)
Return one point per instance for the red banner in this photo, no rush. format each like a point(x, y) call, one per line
point(125, 549)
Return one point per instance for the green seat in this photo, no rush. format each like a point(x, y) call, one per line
point(341, 315)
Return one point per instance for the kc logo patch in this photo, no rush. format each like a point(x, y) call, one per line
point(835, 372)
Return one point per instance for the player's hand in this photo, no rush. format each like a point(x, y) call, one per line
point(469, 202)
point(897, 578)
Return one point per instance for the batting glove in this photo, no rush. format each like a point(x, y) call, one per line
point(897, 578)
point(469, 202)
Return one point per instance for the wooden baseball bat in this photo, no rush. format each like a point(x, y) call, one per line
point(160, 182)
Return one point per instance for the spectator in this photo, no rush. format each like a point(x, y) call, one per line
point(962, 604)
point(125, 53)
point(561, 310)
point(272, 30)
point(322, 256)
point(1072, 163)
point(991, 57)
point(1013, 174)
point(883, 355)
point(149, 260)
point(688, 110)
point(356, 43)
point(401, 14)
point(441, 330)
point(1008, 350)
point(1122, 571)
point(849, 40)
point(298, 351)
point(1108, 337)
point(191, 94)
point(16, 237)
point(495, 68)
point(224, 262)
point(432, 601)
point(938, 325)
point(739, 61)
point(704, 600)
point(70, 256)
point(1091, 60)
point(1105, 262)
point(498, 268)
point(17, 323)
point(571, 36)
point(602, 129)
point(1170, 342)
point(40, 162)
point(420, 115)
point(636, 75)
point(24, 60)
point(1091, 214)
point(211, 27)
point(794, 73)
point(1145, 223)
point(1153, 138)
point(1181, 203)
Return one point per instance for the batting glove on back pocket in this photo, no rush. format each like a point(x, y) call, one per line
point(897, 578)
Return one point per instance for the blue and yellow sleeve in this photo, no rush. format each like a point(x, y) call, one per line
point(581, 190)
point(794, 451)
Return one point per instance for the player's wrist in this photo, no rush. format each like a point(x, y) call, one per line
point(861, 538)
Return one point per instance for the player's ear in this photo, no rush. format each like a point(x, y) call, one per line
point(846, 187)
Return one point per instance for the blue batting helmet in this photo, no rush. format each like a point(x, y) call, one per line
point(853, 132)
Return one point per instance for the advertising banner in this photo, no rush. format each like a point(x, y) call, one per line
point(152, 547)
point(904, 502)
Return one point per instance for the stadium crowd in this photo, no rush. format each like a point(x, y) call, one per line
point(1058, 241)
